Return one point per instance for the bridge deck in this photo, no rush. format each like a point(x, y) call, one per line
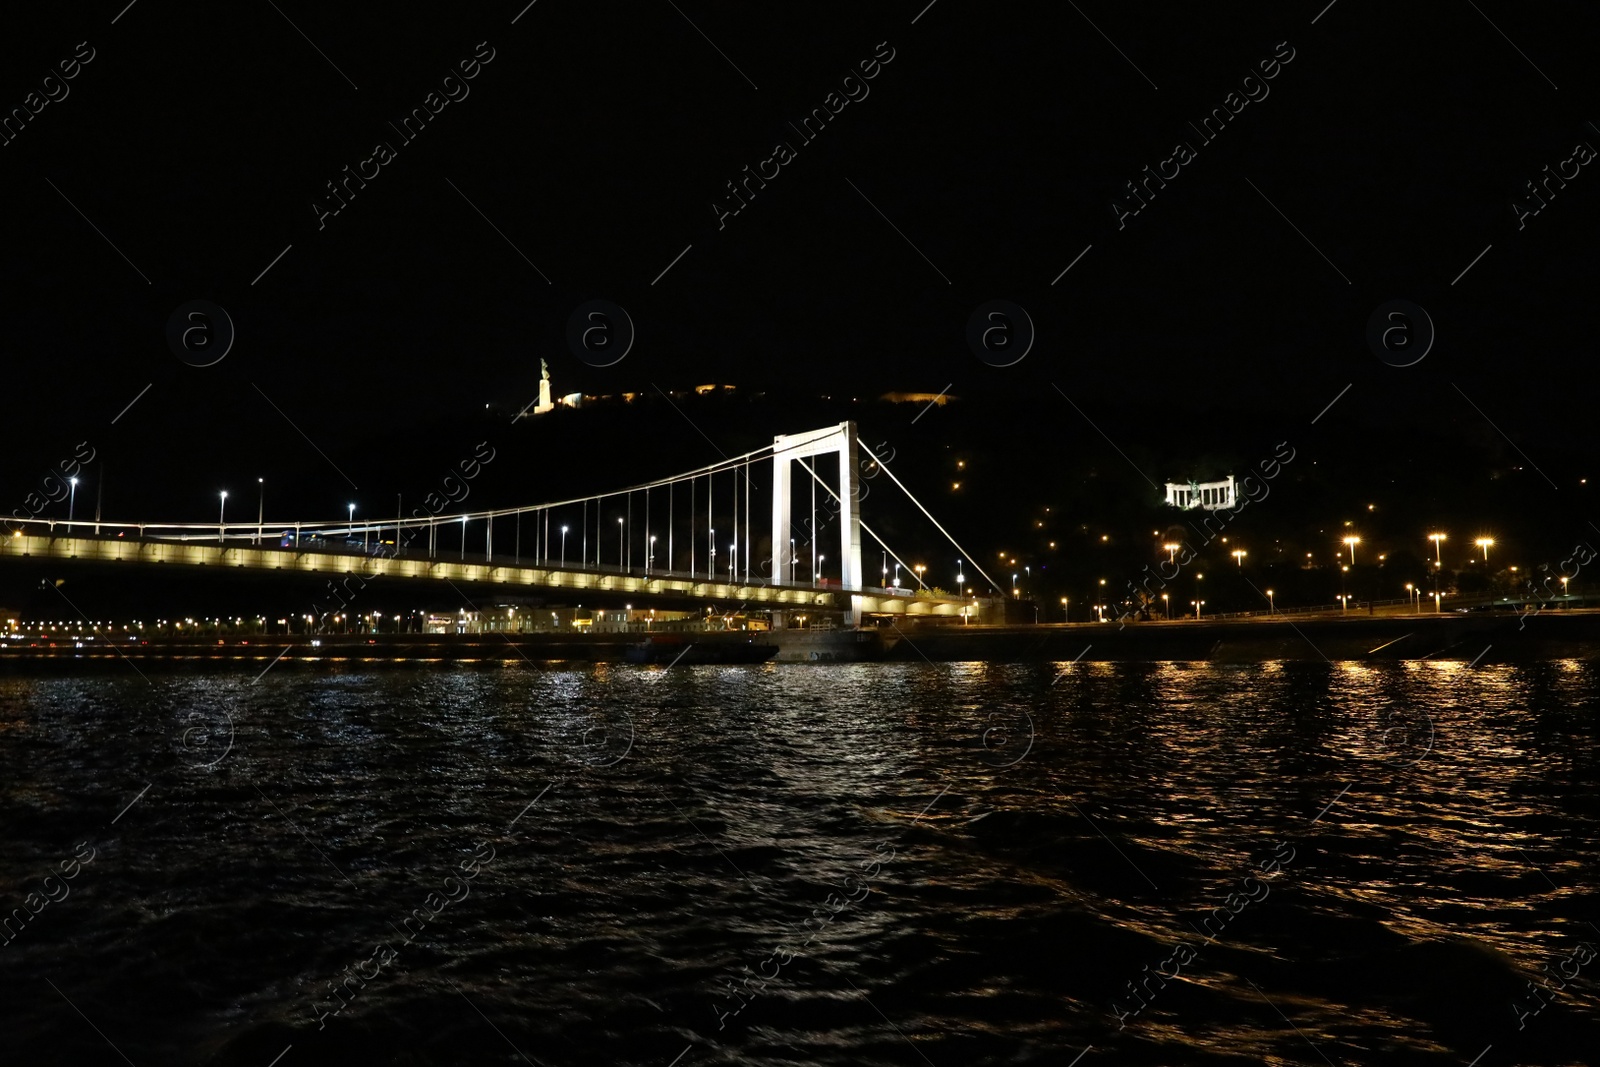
point(512, 575)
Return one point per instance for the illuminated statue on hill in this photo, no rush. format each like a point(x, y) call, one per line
point(544, 403)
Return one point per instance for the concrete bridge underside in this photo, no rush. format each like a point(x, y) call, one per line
point(774, 596)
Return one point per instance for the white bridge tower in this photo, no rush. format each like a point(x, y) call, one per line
point(786, 449)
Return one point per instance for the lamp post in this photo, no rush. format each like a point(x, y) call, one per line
point(1014, 585)
point(820, 561)
point(919, 568)
point(1166, 607)
point(261, 511)
point(222, 511)
point(961, 576)
point(1438, 555)
point(1351, 543)
point(619, 543)
point(72, 500)
point(1410, 595)
point(1197, 604)
point(1270, 605)
point(650, 556)
point(563, 548)
point(1484, 543)
point(1065, 609)
point(794, 560)
point(1172, 551)
point(1344, 569)
point(463, 537)
point(1238, 557)
point(711, 541)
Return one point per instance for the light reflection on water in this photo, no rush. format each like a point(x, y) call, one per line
point(1054, 829)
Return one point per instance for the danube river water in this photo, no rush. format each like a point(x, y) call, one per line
point(945, 864)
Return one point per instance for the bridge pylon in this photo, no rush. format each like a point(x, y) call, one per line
point(786, 448)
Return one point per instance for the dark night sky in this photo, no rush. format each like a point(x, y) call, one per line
point(596, 140)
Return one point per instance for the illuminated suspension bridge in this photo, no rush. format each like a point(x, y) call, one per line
point(656, 539)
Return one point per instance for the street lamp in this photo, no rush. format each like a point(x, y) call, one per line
point(1484, 543)
point(1197, 604)
point(563, 548)
point(72, 500)
point(1065, 607)
point(818, 576)
point(961, 576)
point(794, 558)
point(1172, 551)
point(650, 557)
point(1238, 557)
point(1166, 607)
point(261, 507)
point(1564, 584)
point(619, 544)
point(733, 553)
point(1014, 585)
point(919, 568)
point(222, 510)
point(1438, 557)
point(1269, 602)
point(1410, 589)
point(1344, 569)
point(1351, 543)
